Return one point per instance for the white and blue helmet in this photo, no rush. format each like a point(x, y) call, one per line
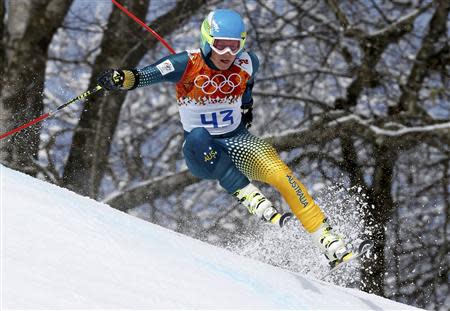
point(222, 24)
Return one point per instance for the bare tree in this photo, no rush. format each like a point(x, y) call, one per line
point(26, 35)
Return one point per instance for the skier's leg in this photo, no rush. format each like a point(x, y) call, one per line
point(258, 160)
point(208, 160)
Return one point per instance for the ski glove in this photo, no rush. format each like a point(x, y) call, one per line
point(117, 79)
point(247, 117)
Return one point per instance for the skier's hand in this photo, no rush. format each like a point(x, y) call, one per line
point(111, 79)
point(247, 117)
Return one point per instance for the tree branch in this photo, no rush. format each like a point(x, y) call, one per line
point(322, 130)
point(150, 190)
point(373, 46)
point(425, 57)
point(339, 14)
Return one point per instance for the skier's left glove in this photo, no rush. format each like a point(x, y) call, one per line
point(117, 79)
point(247, 117)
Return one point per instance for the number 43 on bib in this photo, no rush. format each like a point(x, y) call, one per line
point(224, 117)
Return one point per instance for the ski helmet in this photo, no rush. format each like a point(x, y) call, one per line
point(222, 24)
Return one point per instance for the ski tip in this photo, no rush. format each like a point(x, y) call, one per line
point(365, 246)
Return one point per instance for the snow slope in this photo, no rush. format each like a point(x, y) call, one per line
point(61, 250)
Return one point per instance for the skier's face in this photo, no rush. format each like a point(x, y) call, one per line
point(224, 61)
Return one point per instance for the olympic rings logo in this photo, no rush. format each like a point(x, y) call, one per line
point(226, 85)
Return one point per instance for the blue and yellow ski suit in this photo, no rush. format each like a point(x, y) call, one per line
point(217, 144)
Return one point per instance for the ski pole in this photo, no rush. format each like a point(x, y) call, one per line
point(140, 22)
point(88, 93)
point(84, 95)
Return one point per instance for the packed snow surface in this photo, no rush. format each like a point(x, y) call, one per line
point(61, 250)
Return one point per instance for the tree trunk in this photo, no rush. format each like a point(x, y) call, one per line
point(92, 137)
point(381, 199)
point(26, 38)
point(2, 37)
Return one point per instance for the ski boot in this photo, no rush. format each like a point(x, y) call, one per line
point(257, 204)
point(331, 244)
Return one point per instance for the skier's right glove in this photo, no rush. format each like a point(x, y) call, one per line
point(117, 79)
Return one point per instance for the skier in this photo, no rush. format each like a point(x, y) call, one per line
point(214, 95)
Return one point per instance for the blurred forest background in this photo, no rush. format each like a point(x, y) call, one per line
point(351, 93)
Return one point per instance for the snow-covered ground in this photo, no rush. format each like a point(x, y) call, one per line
point(61, 250)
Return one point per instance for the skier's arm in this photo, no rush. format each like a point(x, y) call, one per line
point(247, 99)
point(167, 69)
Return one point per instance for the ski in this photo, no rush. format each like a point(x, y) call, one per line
point(363, 248)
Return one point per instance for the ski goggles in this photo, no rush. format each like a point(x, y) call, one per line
point(226, 45)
